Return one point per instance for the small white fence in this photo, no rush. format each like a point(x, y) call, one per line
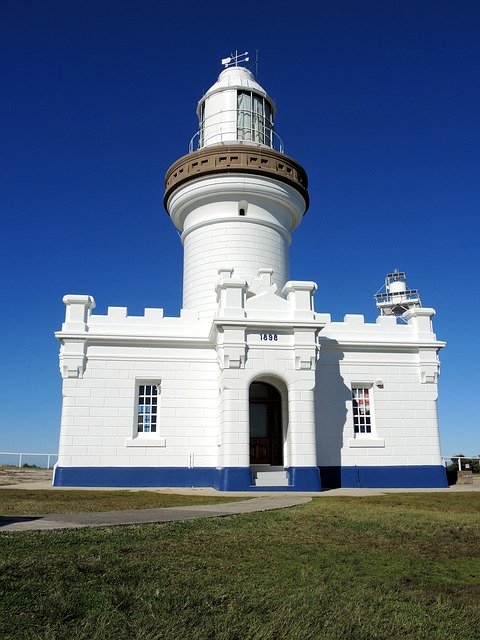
point(20, 459)
point(26, 458)
point(464, 462)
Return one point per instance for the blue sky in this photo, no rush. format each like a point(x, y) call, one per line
point(378, 99)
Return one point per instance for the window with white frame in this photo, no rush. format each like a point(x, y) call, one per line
point(361, 404)
point(147, 407)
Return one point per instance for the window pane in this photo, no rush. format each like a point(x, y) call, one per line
point(147, 408)
point(361, 410)
point(258, 420)
point(244, 116)
point(258, 391)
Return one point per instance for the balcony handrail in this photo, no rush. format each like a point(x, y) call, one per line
point(259, 131)
point(277, 142)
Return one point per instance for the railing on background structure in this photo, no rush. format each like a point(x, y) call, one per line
point(402, 296)
point(466, 464)
point(24, 456)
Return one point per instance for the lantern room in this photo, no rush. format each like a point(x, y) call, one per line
point(236, 109)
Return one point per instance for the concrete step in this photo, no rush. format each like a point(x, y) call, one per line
point(270, 478)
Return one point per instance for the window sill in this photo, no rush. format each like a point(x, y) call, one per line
point(355, 443)
point(153, 441)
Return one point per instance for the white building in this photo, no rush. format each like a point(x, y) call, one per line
point(249, 387)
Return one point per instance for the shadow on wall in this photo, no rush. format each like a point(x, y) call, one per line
point(331, 397)
point(452, 476)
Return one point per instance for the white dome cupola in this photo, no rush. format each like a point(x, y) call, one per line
point(236, 109)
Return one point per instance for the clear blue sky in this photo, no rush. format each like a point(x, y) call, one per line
point(378, 99)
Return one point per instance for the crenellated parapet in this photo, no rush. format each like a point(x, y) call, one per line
point(416, 327)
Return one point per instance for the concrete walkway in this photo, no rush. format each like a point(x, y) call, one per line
point(143, 516)
point(266, 501)
point(208, 491)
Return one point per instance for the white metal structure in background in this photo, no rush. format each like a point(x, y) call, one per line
point(23, 455)
point(394, 298)
point(459, 460)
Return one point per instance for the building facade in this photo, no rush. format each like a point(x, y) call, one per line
point(249, 387)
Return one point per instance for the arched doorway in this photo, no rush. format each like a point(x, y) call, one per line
point(266, 441)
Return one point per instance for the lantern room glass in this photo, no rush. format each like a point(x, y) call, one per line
point(254, 118)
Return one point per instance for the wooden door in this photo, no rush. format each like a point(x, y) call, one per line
point(266, 443)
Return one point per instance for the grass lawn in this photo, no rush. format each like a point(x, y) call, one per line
point(400, 566)
point(26, 502)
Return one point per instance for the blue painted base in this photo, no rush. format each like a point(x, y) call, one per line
point(233, 479)
point(134, 477)
point(225, 479)
point(399, 477)
point(240, 478)
point(304, 478)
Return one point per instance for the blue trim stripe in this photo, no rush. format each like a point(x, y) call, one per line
point(394, 477)
point(134, 477)
point(240, 478)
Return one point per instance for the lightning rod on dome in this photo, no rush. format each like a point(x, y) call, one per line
point(235, 59)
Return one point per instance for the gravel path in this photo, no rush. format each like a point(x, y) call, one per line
point(22, 475)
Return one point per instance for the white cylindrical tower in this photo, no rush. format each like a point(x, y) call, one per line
point(236, 199)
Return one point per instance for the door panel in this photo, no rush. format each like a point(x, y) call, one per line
point(266, 442)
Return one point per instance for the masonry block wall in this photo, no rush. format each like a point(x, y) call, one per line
point(402, 383)
point(99, 410)
point(206, 248)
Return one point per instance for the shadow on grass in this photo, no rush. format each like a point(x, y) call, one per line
point(6, 520)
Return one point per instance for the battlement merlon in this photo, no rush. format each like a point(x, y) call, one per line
point(299, 295)
point(77, 312)
point(420, 319)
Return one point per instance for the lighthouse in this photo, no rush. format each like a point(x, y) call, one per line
point(236, 199)
point(249, 388)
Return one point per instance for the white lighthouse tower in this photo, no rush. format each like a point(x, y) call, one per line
point(236, 200)
point(249, 388)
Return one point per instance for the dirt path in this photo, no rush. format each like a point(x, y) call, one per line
point(21, 475)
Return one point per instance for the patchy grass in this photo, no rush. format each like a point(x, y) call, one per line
point(36, 502)
point(389, 567)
